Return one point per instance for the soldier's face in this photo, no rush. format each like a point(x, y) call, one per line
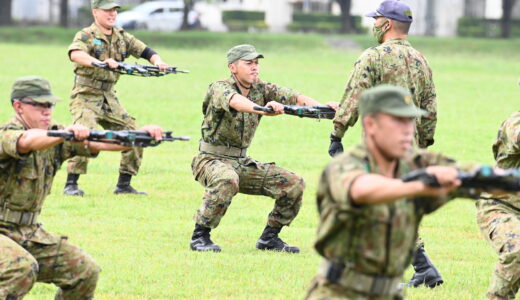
point(35, 115)
point(105, 17)
point(391, 135)
point(246, 70)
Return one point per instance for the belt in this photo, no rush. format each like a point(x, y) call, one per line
point(222, 150)
point(359, 282)
point(94, 83)
point(18, 217)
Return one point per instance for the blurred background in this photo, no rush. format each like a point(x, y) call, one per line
point(448, 18)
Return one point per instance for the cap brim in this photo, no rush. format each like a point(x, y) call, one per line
point(252, 56)
point(110, 6)
point(408, 111)
point(372, 14)
point(46, 98)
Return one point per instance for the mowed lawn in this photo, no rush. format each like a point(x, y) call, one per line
point(142, 242)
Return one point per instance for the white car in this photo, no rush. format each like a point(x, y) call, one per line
point(157, 15)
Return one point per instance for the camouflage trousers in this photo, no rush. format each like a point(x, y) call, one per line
point(500, 225)
point(322, 289)
point(224, 177)
point(90, 108)
point(44, 257)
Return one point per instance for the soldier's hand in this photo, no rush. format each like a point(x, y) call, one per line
point(111, 63)
point(277, 108)
point(446, 177)
point(80, 132)
point(336, 147)
point(161, 65)
point(155, 131)
point(333, 105)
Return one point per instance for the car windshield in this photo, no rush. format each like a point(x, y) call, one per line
point(146, 7)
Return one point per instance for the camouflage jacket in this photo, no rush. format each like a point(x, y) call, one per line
point(224, 126)
point(394, 62)
point(95, 43)
point(372, 239)
point(26, 179)
point(506, 151)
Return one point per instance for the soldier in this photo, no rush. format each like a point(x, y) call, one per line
point(499, 217)
point(395, 62)
point(93, 99)
point(222, 165)
point(368, 215)
point(29, 160)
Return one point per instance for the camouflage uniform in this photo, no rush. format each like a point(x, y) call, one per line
point(30, 253)
point(499, 217)
point(93, 99)
point(394, 62)
point(222, 166)
point(366, 248)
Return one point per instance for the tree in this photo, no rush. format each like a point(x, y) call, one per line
point(507, 9)
point(346, 18)
point(5, 12)
point(474, 8)
point(188, 6)
point(64, 13)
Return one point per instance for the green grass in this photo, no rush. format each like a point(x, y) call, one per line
point(141, 243)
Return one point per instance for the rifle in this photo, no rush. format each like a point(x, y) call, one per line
point(129, 138)
point(483, 178)
point(316, 112)
point(139, 70)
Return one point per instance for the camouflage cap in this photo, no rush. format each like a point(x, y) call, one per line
point(244, 52)
point(393, 9)
point(104, 4)
point(389, 99)
point(34, 87)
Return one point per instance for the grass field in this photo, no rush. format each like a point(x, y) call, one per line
point(142, 243)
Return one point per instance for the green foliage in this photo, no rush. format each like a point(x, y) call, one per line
point(321, 22)
point(242, 15)
point(244, 20)
point(481, 27)
point(141, 243)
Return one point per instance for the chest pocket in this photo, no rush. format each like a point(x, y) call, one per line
point(120, 50)
point(22, 190)
point(100, 49)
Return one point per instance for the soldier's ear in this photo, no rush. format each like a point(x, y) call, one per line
point(233, 68)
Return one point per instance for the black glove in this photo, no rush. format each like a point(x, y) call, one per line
point(335, 146)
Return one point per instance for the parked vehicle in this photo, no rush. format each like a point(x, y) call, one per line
point(157, 15)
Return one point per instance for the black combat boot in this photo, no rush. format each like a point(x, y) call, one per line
point(200, 240)
point(71, 186)
point(269, 240)
point(123, 186)
point(425, 271)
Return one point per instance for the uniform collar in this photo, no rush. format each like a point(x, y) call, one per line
point(231, 80)
point(398, 41)
point(98, 34)
point(370, 163)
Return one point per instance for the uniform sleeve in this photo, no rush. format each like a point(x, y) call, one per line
point(428, 102)
point(8, 144)
point(509, 134)
point(219, 94)
point(280, 94)
point(339, 178)
point(363, 76)
point(80, 42)
point(70, 150)
point(134, 46)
